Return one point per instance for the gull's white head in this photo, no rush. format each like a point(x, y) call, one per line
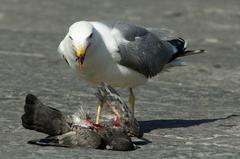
point(79, 35)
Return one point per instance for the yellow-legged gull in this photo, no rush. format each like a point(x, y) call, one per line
point(119, 53)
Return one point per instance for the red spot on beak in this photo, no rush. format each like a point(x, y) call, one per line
point(80, 60)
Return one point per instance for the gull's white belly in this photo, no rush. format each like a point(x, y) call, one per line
point(113, 74)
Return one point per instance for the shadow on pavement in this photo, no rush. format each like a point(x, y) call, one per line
point(150, 125)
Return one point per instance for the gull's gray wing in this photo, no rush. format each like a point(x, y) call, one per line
point(142, 50)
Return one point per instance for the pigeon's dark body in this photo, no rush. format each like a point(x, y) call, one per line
point(63, 130)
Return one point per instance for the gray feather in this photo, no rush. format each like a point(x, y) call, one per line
point(144, 52)
point(148, 50)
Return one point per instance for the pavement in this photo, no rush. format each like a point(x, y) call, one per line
point(188, 112)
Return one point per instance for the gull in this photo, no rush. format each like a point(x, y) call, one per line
point(119, 53)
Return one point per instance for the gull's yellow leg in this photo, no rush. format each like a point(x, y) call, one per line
point(99, 111)
point(131, 100)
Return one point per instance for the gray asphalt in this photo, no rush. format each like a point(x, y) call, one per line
point(185, 113)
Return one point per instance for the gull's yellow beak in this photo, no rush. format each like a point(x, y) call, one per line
point(80, 54)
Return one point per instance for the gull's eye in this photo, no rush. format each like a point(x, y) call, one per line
point(90, 35)
point(70, 37)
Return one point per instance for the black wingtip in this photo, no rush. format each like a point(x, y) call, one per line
point(179, 44)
